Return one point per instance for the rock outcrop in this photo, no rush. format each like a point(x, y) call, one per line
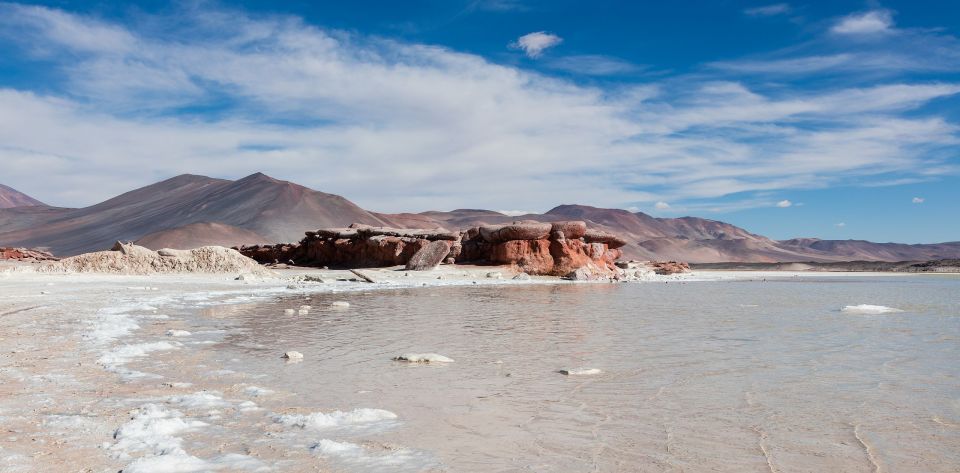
point(670, 267)
point(567, 249)
point(25, 254)
point(554, 249)
point(358, 246)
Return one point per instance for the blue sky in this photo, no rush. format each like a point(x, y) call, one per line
point(829, 119)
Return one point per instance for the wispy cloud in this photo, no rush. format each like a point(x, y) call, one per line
point(871, 22)
point(418, 127)
point(661, 205)
point(840, 224)
point(594, 65)
point(784, 204)
point(534, 44)
point(769, 10)
point(917, 200)
point(497, 5)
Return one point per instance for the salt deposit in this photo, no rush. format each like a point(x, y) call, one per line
point(153, 429)
point(114, 359)
point(580, 371)
point(256, 391)
point(153, 432)
point(178, 333)
point(340, 305)
point(320, 421)
point(370, 458)
point(200, 400)
point(133, 259)
point(423, 358)
point(869, 309)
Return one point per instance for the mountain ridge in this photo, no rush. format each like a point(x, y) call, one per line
point(10, 198)
point(191, 209)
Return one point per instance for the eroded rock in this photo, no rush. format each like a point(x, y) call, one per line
point(429, 256)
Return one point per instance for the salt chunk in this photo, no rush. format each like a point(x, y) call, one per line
point(293, 355)
point(423, 358)
point(580, 371)
point(869, 309)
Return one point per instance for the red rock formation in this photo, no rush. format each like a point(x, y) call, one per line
point(24, 254)
point(669, 267)
point(543, 249)
point(556, 249)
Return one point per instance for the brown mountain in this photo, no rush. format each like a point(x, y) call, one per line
point(195, 235)
point(10, 197)
point(188, 211)
point(269, 208)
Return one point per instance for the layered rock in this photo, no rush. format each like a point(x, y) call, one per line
point(359, 246)
point(567, 249)
point(25, 254)
point(555, 249)
point(536, 248)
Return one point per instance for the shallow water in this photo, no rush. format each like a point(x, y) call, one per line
point(723, 376)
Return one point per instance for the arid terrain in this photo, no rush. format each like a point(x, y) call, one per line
point(189, 211)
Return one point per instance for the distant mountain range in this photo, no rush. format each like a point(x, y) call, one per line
point(189, 211)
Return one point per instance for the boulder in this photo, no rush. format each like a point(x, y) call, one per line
point(581, 274)
point(524, 231)
point(429, 256)
point(515, 231)
point(599, 236)
point(489, 233)
point(572, 229)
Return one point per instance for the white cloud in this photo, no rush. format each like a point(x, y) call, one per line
point(592, 64)
point(784, 204)
point(871, 22)
point(661, 205)
point(534, 44)
point(399, 126)
point(768, 10)
point(516, 213)
point(840, 224)
point(918, 200)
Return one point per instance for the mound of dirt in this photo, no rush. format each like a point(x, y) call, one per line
point(127, 258)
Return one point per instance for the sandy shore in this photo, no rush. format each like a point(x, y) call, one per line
point(83, 356)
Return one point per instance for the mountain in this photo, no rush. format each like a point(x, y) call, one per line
point(700, 240)
point(10, 197)
point(268, 208)
point(189, 211)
